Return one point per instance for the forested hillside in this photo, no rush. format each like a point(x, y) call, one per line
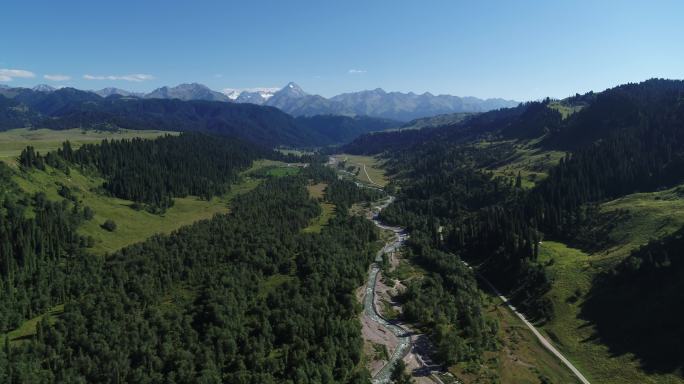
point(618, 142)
point(41, 241)
point(39, 248)
point(244, 297)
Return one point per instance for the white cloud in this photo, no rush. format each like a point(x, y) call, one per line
point(356, 71)
point(57, 77)
point(9, 74)
point(137, 77)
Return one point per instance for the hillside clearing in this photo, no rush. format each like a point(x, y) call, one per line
point(28, 328)
point(317, 191)
point(327, 213)
point(530, 162)
point(373, 173)
point(132, 225)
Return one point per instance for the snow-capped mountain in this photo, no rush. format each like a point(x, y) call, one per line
point(232, 94)
point(43, 88)
point(379, 103)
point(293, 100)
point(250, 95)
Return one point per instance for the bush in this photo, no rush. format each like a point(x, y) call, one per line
point(109, 225)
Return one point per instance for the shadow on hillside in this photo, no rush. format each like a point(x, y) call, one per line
point(643, 317)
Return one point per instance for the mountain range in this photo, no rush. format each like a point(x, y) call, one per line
point(67, 108)
point(105, 92)
point(186, 92)
point(295, 101)
point(375, 103)
point(251, 95)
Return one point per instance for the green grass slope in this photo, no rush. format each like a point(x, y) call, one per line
point(132, 225)
point(644, 216)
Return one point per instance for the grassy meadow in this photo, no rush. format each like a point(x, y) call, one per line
point(316, 191)
point(374, 168)
point(530, 162)
point(12, 142)
point(132, 225)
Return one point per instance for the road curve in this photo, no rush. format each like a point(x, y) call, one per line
point(546, 343)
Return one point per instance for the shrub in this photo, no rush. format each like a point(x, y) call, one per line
point(109, 225)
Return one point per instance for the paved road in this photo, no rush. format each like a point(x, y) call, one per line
point(547, 344)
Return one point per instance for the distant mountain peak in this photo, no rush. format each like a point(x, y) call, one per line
point(293, 89)
point(294, 100)
point(187, 91)
point(109, 91)
point(191, 86)
point(44, 88)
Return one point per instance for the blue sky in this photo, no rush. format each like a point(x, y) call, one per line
point(514, 49)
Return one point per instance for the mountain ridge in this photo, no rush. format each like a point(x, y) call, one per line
point(379, 103)
point(295, 101)
point(187, 91)
point(268, 126)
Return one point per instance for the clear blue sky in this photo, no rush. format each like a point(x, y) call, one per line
point(514, 49)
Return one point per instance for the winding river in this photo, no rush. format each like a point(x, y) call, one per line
point(405, 342)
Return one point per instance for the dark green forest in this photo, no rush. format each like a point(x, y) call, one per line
point(448, 304)
point(241, 298)
point(38, 253)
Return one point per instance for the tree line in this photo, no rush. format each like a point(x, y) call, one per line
point(153, 172)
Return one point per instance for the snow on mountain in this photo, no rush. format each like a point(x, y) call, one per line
point(44, 88)
point(257, 95)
